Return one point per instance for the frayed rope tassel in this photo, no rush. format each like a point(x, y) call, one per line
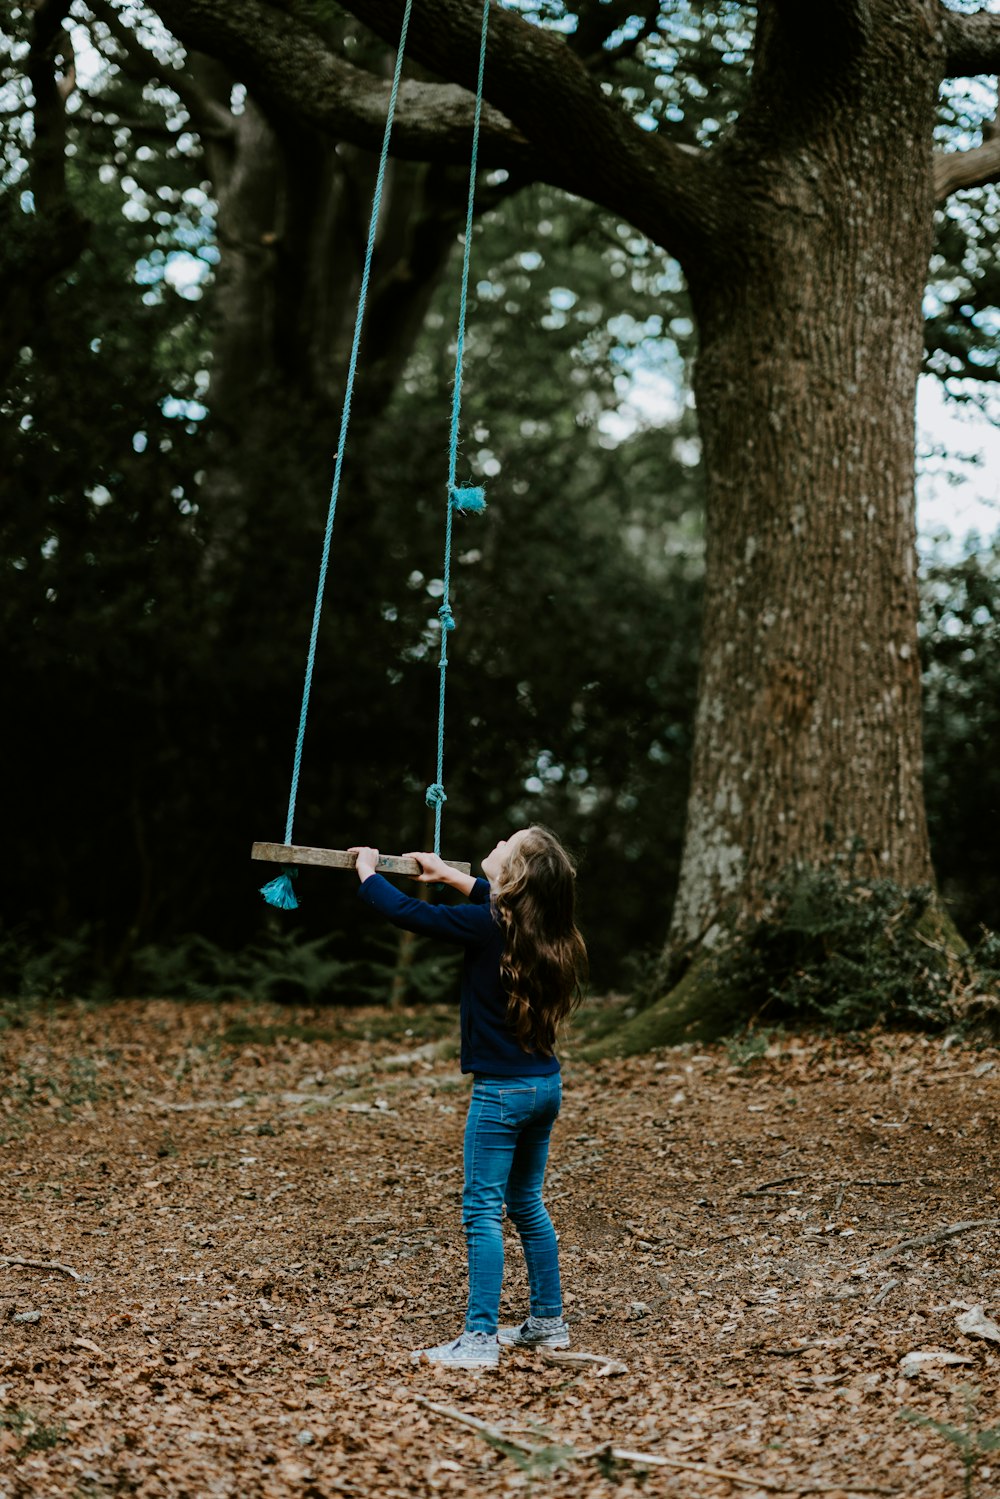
point(278, 892)
point(469, 501)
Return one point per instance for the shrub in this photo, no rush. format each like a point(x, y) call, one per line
point(847, 951)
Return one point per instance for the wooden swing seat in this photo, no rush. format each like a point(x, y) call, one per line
point(340, 858)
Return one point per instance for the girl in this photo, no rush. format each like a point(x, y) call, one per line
point(523, 968)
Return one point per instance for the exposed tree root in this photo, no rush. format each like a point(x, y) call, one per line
point(706, 1003)
point(695, 1009)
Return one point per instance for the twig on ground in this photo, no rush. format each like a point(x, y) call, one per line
point(202, 1105)
point(940, 1234)
point(496, 1435)
point(623, 1455)
point(562, 1356)
point(17, 1259)
point(779, 1181)
point(889, 1286)
point(651, 1459)
point(861, 1181)
point(845, 1488)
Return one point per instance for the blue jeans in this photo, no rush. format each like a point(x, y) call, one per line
point(506, 1147)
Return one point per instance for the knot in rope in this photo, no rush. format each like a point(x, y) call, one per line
point(468, 501)
point(446, 617)
point(435, 796)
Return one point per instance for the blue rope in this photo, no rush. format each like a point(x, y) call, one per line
point(468, 500)
point(345, 419)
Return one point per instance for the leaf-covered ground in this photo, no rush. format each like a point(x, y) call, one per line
point(263, 1210)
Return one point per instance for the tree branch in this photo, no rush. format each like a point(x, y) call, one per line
point(207, 115)
point(546, 117)
point(972, 43)
point(974, 168)
point(291, 70)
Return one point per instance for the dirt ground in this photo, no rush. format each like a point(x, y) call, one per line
point(262, 1209)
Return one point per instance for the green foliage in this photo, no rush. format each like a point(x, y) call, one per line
point(37, 1435)
point(533, 1460)
point(845, 951)
point(428, 976)
point(828, 949)
point(32, 971)
point(286, 967)
point(986, 960)
point(971, 1442)
point(750, 1046)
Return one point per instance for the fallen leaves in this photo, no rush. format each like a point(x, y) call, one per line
point(975, 1324)
point(920, 1359)
point(260, 1235)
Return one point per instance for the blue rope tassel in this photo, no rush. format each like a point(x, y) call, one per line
point(278, 892)
point(470, 500)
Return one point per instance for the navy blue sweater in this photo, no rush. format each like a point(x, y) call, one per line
point(489, 1045)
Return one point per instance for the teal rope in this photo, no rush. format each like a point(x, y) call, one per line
point(345, 419)
point(465, 500)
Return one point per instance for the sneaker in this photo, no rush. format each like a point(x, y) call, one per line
point(529, 1336)
point(473, 1350)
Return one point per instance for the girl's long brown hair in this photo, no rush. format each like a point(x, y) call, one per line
point(544, 963)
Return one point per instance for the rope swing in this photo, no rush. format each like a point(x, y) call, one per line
point(467, 501)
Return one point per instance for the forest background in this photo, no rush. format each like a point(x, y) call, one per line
point(170, 402)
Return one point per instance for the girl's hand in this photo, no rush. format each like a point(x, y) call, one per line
point(433, 869)
point(367, 861)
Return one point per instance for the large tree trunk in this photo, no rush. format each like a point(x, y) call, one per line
point(808, 736)
point(808, 733)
